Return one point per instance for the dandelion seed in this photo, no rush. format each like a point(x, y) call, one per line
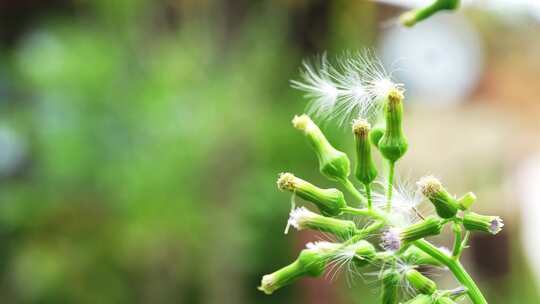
point(318, 86)
point(354, 87)
point(405, 201)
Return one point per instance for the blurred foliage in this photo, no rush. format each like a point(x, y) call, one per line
point(147, 177)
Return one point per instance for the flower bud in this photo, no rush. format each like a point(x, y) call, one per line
point(390, 287)
point(415, 256)
point(393, 144)
point(309, 263)
point(429, 226)
point(393, 238)
point(420, 299)
point(412, 17)
point(375, 135)
point(420, 282)
point(329, 201)
point(445, 204)
point(445, 300)
point(333, 164)
point(477, 222)
point(466, 201)
point(365, 171)
point(364, 252)
point(301, 218)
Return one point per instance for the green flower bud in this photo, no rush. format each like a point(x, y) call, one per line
point(365, 170)
point(445, 204)
point(301, 218)
point(333, 164)
point(363, 251)
point(429, 226)
point(329, 201)
point(466, 201)
point(420, 282)
point(420, 299)
point(394, 238)
point(390, 287)
point(393, 144)
point(309, 263)
point(445, 300)
point(375, 135)
point(414, 16)
point(477, 222)
point(415, 256)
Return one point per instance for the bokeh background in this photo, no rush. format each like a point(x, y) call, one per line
point(140, 141)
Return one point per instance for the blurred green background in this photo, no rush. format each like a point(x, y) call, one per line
point(140, 142)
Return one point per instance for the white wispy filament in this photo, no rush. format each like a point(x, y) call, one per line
point(353, 87)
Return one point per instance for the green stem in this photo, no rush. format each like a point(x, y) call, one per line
point(368, 194)
point(353, 191)
point(390, 186)
point(458, 240)
point(365, 212)
point(456, 268)
point(363, 233)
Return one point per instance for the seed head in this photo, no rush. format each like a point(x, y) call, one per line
point(354, 86)
point(302, 122)
point(429, 185)
point(299, 216)
point(286, 181)
point(361, 127)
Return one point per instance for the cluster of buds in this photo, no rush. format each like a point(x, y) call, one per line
point(397, 248)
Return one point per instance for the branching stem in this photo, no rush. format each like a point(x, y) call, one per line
point(346, 183)
point(456, 268)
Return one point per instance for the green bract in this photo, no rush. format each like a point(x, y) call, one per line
point(485, 223)
point(329, 201)
point(364, 253)
point(393, 144)
point(415, 256)
point(445, 204)
point(333, 164)
point(390, 287)
point(420, 282)
point(365, 171)
point(309, 263)
point(429, 226)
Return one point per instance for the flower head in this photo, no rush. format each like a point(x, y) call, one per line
point(299, 217)
point(391, 239)
point(486, 223)
point(429, 185)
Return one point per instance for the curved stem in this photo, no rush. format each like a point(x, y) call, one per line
point(353, 191)
point(390, 186)
point(363, 233)
point(458, 240)
point(456, 268)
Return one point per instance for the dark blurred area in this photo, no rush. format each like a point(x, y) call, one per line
point(140, 142)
